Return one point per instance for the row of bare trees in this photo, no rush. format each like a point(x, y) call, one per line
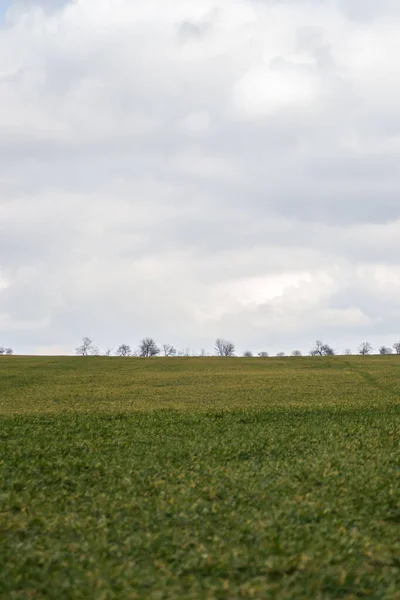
point(224, 348)
point(365, 348)
point(148, 348)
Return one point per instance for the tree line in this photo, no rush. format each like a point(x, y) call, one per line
point(146, 349)
point(149, 348)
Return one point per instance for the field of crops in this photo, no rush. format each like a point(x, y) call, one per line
point(200, 478)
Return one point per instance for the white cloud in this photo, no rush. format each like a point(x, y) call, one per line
point(265, 90)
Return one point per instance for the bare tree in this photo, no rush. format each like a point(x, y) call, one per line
point(365, 348)
point(148, 348)
point(203, 352)
point(168, 350)
point(318, 349)
point(85, 348)
point(263, 354)
point(108, 352)
point(124, 350)
point(385, 350)
point(328, 350)
point(396, 346)
point(347, 352)
point(224, 348)
point(296, 353)
point(280, 354)
point(322, 349)
point(248, 354)
point(2, 350)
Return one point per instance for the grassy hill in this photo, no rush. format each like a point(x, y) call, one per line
point(38, 385)
point(200, 478)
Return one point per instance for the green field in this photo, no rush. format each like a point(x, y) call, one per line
point(200, 478)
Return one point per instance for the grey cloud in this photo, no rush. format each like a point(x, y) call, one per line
point(117, 219)
point(48, 5)
point(380, 309)
point(367, 10)
point(188, 30)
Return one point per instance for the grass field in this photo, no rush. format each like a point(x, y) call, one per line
point(200, 478)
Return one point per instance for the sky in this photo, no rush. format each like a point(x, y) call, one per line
point(192, 170)
point(4, 6)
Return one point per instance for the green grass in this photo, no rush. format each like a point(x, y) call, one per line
point(200, 478)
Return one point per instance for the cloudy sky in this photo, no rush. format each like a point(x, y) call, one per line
point(203, 168)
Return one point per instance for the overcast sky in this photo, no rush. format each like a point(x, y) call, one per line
point(203, 168)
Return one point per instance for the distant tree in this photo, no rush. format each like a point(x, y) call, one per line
point(328, 350)
point(385, 350)
point(124, 350)
point(224, 348)
point(203, 352)
point(296, 353)
point(168, 350)
point(108, 352)
point(148, 348)
point(9, 351)
point(347, 352)
point(365, 348)
point(86, 347)
point(263, 354)
point(318, 349)
point(396, 346)
point(280, 354)
point(2, 350)
point(248, 354)
point(322, 349)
